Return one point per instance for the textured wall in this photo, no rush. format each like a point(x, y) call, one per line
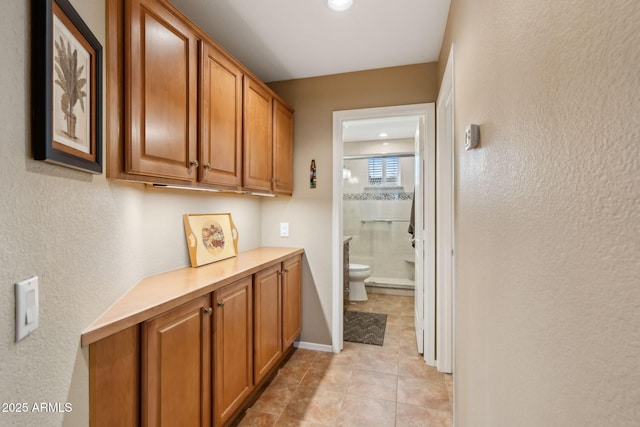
point(309, 210)
point(88, 239)
point(547, 212)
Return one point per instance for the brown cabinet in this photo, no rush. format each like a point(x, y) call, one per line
point(220, 119)
point(182, 111)
point(291, 300)
point(258, 143)
point(198, 363)
point(267, 328)
point(176, 366)
point(233, 351)
point(277, 313)
point(282, 149)
point(161, 69)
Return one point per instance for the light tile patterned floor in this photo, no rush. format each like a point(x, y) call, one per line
point(364, 385)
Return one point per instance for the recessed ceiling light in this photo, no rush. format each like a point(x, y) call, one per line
point(339, 5)
point(383, 135)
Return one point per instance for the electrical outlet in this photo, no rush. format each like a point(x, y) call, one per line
point(284, 229)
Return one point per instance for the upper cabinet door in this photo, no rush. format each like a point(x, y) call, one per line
point(257, 136)
point(282, 149)
point(161, 57)
point(221, 119)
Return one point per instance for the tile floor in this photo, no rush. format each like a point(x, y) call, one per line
point(364, 385)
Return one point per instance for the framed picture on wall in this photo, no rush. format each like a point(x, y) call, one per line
point(66, 88)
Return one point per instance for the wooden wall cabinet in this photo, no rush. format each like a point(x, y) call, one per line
point(258, 137)
point(220, 119)
point(176, 366)
point(282, 149)
point(233, 353)
point(162, 93)
point(181, 110)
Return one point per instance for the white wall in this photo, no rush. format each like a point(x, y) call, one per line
point(381, 245)
point(548, 212)
point(88, 239)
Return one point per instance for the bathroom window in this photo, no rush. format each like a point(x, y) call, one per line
point(384, 172)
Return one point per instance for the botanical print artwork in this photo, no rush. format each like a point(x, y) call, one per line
point(71, 97)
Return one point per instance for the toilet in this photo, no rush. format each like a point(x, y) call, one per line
point(357, 275)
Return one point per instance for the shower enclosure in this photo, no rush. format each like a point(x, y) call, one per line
point(378, 183)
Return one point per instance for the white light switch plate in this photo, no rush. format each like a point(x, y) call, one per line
point(27, 307)
point(284, 229)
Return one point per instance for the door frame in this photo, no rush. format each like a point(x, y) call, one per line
point(428, 111)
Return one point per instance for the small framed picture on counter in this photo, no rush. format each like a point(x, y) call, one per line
point(210, 237)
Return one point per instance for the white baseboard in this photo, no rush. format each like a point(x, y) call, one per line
point(313, 346)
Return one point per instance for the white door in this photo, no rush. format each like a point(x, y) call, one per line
point(424, 238)
point(418, 236)
point(445, 250)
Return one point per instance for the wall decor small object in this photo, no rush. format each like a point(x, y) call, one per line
point(210, 237)
point(312, 174)
point(66, 88)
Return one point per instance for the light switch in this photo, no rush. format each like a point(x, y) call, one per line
point(284, 229)
point(26, 307)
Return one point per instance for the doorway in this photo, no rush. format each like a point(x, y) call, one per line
point(423, 153)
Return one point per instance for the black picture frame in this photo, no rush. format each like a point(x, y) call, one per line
point(66, 88)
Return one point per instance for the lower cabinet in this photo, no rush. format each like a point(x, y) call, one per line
point(233, 349)
point(198, 363)
point(291, 300)
point(277, 313)
point(267, 329)
point(176, 366)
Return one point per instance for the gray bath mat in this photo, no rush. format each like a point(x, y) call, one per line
point(365, 328)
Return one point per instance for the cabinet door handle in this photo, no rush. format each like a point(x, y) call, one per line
point(208, 166)
point(207, 310)
point(280, 273)
point(194, 163)
point(220, 303)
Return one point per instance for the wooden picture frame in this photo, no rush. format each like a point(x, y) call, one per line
point(66, 88)
point(210, 237)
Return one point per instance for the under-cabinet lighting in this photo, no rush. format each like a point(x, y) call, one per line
point(178, 187)
point(260, 194)
point(211, 190)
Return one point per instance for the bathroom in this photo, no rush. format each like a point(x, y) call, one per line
point(378, 184)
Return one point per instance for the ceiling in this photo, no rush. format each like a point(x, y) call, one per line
point(290, 39)
point(395, 127)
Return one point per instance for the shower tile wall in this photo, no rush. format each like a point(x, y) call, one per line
point(381, 245)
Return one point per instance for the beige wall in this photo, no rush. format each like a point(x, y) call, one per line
point(88, 239)
point(309, 210)
point(547, 212)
